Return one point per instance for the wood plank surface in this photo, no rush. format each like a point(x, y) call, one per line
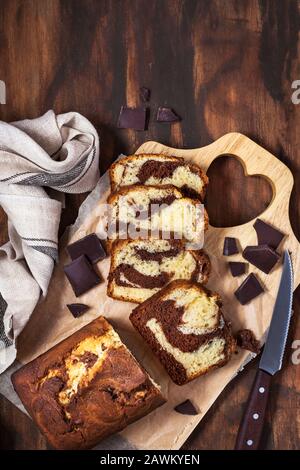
point(223, 66)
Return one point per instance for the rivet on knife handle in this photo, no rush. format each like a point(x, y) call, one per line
point(253, 420)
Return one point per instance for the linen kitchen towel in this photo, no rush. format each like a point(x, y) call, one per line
point(37, 156)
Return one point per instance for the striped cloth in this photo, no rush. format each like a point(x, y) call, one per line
point(38, 158)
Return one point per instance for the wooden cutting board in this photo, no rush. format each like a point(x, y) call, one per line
point(164, 428)
point(256, 161)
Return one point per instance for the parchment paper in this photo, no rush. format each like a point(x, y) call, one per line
point(51, 322)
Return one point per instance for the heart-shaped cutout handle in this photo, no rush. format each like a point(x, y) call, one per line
point(232, 197)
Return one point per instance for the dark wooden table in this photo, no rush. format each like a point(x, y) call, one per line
point(223, 66)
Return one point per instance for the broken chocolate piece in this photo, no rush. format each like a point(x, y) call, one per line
point(81, 275)
point(132, 118)
point(230, 246)
point(261, 256)
point(90, 246)
point(249, 289)
point(166, 115)
point(145, 94)
point(246, 340)
point(186, 408)
point(267, 235)
point(237, 268)
point(77, 309)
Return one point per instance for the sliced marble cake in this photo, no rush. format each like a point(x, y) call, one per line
point(159, 170)
point(157, 212)
point(140, 268)
point(185, 328)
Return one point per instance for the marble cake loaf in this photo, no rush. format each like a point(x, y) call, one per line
point(140, 268)
point(185, 328)
point(152, 209)
point(159, 170)
point(85, 388)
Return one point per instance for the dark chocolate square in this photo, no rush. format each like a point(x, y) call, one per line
point(249, 289)
point(186, 408)
point(267, 235)
point(230, 246)
point(77, 309)
point(167, 115)
point(237, 268)
point(81, 275)
point(132, 118)
point(90, 246)
point(261, 256)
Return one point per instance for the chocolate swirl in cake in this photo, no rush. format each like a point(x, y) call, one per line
point(140, 267)
point(169, 316)
point(158, 256)
point(184, 326)
point(127, 276)
point(157, 169)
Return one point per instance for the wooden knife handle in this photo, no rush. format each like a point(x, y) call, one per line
point(254, 416)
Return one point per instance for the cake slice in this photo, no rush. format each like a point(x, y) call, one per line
point(184, 326)
point(86, 388)
point(156, 212)
point(159, 170)
point(140, 268)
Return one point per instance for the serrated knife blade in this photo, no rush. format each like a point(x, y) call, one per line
point(252, 423)
point(272, 356)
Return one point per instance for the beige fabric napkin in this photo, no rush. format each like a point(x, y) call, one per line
point(60, 153)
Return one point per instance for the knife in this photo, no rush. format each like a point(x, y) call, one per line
point(251, 426)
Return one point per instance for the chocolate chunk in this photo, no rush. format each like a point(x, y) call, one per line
point(249, 289)
point(237, 268)
point(230, 246)
point(81, 275)
point(77, 309)
point(166, 115)
point(90, 246)
point(132, 118)
point(246, 340)
point(145, 94)
point(186, 408)
point(261, 256)
point(267, 235)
